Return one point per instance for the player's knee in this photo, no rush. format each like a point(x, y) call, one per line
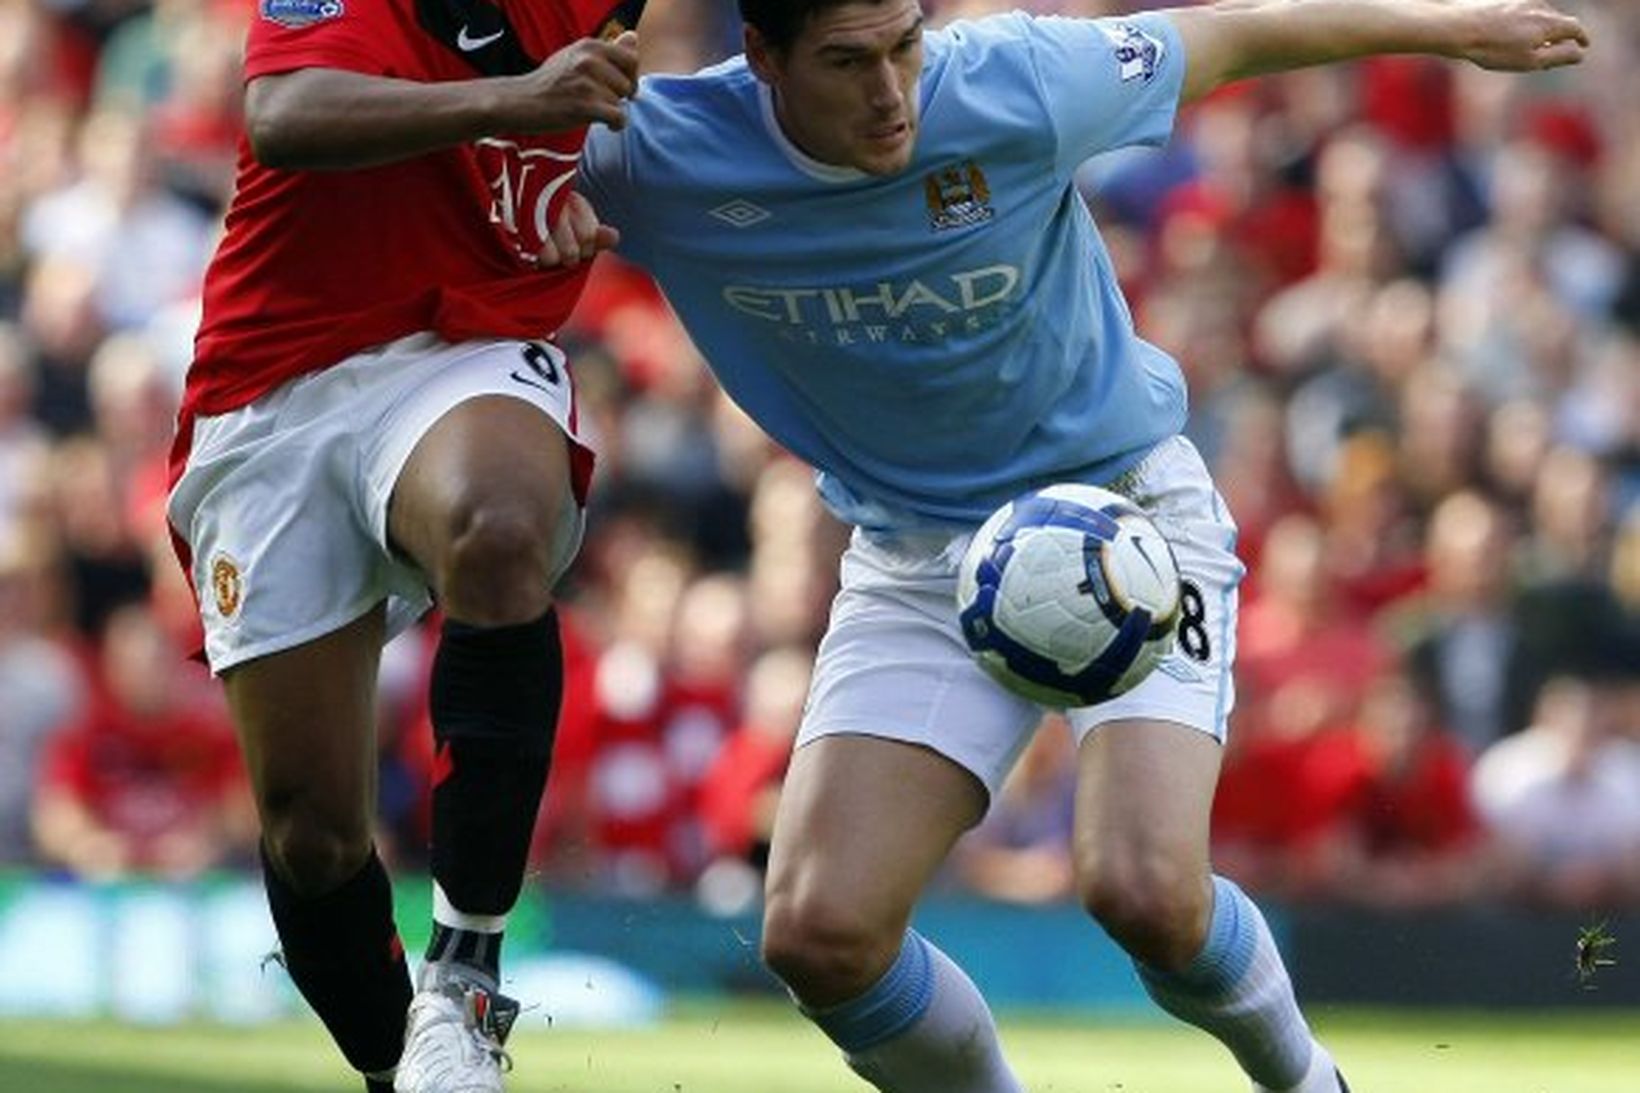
point(313, 853)
point(1154, 907)
point(497, 570)
point(825, 950)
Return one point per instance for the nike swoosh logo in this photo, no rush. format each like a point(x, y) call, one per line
point(1139, 545)
point(467, 44)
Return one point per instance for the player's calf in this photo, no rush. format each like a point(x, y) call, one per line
point(494, 701)
point(344, 954)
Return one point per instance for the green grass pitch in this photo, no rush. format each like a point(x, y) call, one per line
point(761, 1048)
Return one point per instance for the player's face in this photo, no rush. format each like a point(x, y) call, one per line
point(846, 90)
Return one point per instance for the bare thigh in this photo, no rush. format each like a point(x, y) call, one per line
point(306, 719)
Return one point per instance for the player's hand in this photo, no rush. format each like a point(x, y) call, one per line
point(586, 81)
point(1522, 36)
point(577, 236)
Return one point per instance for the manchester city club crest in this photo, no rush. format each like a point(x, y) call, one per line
point(958, 196)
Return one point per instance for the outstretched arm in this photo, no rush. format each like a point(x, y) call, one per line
point(321, 118)
point(1235, 39)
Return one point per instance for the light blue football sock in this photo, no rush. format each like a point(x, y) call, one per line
point(1237, 990)
point(922, 1028)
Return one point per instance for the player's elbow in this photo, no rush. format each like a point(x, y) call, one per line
point(267, 144)
point(267, 125)
point(277, 122)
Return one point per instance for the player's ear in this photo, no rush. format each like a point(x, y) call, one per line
point(760, 55)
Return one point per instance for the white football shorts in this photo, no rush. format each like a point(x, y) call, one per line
point(283, 502)
point(893, 663)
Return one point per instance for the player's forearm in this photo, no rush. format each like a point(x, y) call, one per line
point(1236, 39)
point(318, 119)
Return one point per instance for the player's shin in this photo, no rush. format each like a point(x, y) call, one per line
point(1237, 989)
point(344, 954)
point(922, 1028)
point(495, 699)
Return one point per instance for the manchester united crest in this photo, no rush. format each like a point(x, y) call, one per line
point(227, 585)
point(958, 196)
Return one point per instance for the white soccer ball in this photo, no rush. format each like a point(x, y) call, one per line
point(1069, 595)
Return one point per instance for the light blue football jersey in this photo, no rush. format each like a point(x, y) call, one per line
point(936, 342)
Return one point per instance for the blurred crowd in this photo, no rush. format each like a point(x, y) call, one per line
point(1406, 294)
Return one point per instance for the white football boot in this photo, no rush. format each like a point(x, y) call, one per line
point(1323, 1077)
point(453, 1040)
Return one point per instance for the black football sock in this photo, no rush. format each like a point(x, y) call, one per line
point(344, 954)
point(495, 698)
point(475, 948)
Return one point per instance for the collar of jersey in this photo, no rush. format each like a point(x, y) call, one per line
point(823, 172)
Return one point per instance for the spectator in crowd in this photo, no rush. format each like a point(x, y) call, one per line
point(795, 546)
point(1240, 209)
point(1372, 811)
point(1571, 527)
point(1562, 797)
point(41, 689)
point(141, 245)
point(1519, 435)
point(1373, 547)
point(149, 778)
point(1625, 571)
point(104, 558)
point(1407, 834)
point(1462, 634)
point(739, 792)
point(1439, 432)
point(24, 443)
point(1299, 327)
point(1304, 659)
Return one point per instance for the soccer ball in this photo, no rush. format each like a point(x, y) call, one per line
point(1069, 595)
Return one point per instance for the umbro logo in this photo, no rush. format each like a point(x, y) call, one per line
point(467, 43)
point(740, 213)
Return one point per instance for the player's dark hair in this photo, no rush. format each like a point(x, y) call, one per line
point(781, 21)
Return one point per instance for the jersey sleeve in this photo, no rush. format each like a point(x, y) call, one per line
point(1108, 83)
point(605, 179)
point(363, 36)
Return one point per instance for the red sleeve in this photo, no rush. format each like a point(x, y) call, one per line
point(365, 36)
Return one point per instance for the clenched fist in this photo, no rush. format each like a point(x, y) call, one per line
point(585, 82)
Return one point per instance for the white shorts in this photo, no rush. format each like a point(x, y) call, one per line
point(893, 663)
point(283, 503)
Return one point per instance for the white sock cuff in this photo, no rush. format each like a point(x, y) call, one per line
point(445, 913)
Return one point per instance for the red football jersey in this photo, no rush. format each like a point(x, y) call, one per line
point(317, 265)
